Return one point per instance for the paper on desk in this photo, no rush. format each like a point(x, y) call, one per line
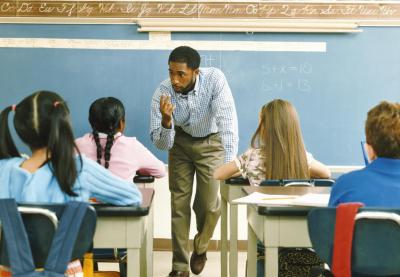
point(262, 199)
point(312, 200)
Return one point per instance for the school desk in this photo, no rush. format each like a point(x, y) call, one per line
point(129, 227)
point(230, 190)
point(276, 227)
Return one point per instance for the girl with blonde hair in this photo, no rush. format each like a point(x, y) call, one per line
point(277, 149)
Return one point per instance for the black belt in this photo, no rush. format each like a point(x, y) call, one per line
point(180, 130)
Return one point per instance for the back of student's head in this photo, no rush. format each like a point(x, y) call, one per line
point(105, 116)
point(185, 54)
point(280, 139)
point(42, 120)
point(382, 129)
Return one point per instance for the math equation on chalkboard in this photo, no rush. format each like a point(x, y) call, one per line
point(287, 77)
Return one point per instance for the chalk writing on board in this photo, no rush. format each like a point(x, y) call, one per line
point(287, 77)
point(210, 60)
point(356, 9)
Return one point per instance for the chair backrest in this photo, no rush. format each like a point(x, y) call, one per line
point(41, 222)
point(239, 180)
point(144, 181)
point(299, 182)
point(376, 240)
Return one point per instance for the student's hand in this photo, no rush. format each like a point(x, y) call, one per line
point(166, 109)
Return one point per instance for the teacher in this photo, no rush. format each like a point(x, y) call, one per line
point(193, 116)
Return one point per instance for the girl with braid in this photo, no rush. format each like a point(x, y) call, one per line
point(54, 173)
point(124, 156)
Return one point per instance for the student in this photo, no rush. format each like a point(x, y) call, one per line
point(54, 173)
point(378, 184)
point(277, 150)
point(123, 156)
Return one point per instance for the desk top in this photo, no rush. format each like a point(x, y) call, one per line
point(143, 210)
point(288, 211)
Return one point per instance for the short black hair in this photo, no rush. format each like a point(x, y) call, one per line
point(185, 54)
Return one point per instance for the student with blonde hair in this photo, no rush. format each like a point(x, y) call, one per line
point(277, 149)
point(277, 152)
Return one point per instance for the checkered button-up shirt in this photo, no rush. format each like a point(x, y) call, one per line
point(208, 108)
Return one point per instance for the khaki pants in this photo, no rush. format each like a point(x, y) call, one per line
point(188, 156)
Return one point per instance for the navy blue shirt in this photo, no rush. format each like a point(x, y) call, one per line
point(376, 185)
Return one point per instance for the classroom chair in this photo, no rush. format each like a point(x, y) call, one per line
point(299, 182)
point(44, 235)
point(376, 240)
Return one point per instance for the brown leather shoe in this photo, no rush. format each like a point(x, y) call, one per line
point(176, 273)
point(197, 262)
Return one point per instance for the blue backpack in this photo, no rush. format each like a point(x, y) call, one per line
point(18, 247)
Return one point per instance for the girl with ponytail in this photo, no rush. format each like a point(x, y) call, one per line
point(55, 172)
point(122, 155)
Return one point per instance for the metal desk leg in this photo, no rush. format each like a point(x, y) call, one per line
point(146, 250)
point(233, 239)
point(133, 265)
point(149, 238)
point(271, 265)
point(224, 238)
point(251, 252)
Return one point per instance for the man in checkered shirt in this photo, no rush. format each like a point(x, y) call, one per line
point(193, 116)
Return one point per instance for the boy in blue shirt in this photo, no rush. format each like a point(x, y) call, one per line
point(378, 184)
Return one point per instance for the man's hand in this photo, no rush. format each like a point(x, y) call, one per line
point(166, 109)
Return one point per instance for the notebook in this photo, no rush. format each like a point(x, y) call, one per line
point(365, 153)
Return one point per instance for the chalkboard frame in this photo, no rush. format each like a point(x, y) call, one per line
point(265, 13)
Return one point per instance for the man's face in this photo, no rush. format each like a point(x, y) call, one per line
point(182, 77)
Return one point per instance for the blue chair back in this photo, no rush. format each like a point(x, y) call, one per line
point(41, 229)
point(376, 240)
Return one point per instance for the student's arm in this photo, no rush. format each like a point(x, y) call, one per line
point(319, 170)
point(237, 167)
point(108, 188)
point(226, 171)
point(163, 138)
point(223, 107)
point(149, 164)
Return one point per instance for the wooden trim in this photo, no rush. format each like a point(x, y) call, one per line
point(91, 11)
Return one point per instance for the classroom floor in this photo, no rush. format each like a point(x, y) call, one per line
point(162, 264)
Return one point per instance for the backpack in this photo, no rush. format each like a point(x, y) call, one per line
point(298, 262)
point(18, 247)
